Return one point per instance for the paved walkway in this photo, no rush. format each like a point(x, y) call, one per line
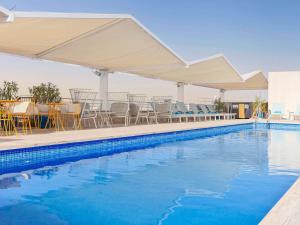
point(19, 141)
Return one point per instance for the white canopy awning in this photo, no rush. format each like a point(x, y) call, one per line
point(112, 42)
point(117, 43)
point(251, 81)
point(5, 15)
point(214, 69)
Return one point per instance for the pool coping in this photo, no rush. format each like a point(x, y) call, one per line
point(286, 211)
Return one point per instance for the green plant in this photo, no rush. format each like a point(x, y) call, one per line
point(45, 93)
point(9, 91)
point(219, 105)
point(259, 106)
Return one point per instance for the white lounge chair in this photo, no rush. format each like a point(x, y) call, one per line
point(120, 110)
point(277, 111)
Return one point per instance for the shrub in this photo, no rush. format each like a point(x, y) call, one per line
point(219, 105)
point(45, 93)
point(9, 91)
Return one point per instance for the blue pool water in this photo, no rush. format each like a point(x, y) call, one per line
point(230, 178)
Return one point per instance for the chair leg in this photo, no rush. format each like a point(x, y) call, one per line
point(29, 125)
point(79, 123)
point(47, 122)
point(95, 122)
point(136, 120)
point(74, 122)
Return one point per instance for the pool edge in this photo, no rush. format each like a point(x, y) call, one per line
point(286, 211)
point(117, 135)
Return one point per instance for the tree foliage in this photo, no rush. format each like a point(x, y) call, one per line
point(219, 105)
point(9, 90)
point(45, 93)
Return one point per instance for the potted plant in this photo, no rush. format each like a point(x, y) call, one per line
point(43, 94)
point(219, 105)
point(260, 108)
point(9, 91)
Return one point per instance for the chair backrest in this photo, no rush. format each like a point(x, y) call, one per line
point(120, 108)
point(277, 108)
point(137, 103)
point(162, 107)
point(180, 106)
point(194, 108)
point(211, 108)
point(21, 107)
point(203, 108)
point(134, 109)
point(88, 102)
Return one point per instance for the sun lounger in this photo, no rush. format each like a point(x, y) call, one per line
point(277, 111)
point(182, 111)
point(212, 109)
point(197, 111)
point(206, 112)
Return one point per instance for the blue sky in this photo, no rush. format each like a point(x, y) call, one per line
point(256, 34)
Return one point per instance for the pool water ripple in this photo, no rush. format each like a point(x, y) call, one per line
point(234, 178)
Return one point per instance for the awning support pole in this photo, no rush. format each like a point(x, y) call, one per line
point(180, 91)
point(222, 95)
point(103, 87)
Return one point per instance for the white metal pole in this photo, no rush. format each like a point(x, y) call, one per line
point(180, 92)
point(103, 89)
point(222, 95)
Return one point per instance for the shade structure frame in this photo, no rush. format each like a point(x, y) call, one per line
point(213, 69)
point(111, 42)
point(255, 80)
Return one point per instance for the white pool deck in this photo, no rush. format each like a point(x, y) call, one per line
point(285, 212)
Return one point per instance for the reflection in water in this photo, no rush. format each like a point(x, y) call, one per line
point(284, 151)
point(47, 173)
point(9, 182)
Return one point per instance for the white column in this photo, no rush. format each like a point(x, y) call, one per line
point(180, 92)
point(103, 89)
point(222, 95)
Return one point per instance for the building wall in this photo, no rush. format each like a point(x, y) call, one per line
point(284, 88)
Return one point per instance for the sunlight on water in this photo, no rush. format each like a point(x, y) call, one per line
point(234, 178)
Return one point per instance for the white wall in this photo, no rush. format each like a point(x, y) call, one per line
point(284, 88)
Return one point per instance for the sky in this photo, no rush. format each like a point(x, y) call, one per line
point(253, 35)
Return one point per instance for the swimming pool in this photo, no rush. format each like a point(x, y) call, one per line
point(225, 175)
